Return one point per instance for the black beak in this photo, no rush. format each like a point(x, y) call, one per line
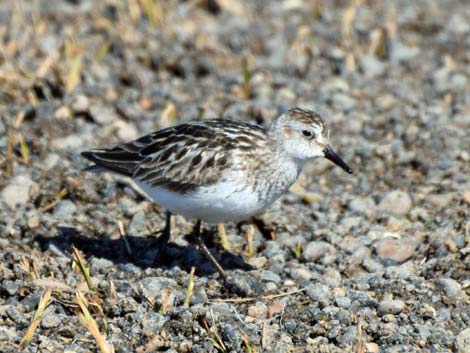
point(332, 156)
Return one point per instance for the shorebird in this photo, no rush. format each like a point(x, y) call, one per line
point(219, 170)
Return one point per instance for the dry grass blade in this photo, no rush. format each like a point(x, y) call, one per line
point(216, 340)
point(249, 235)
point(80, 261)
point(249, 348)
point(168, 115)
point(62, 193)
point(11, 140)
point(153, 11)
point(123, 234)
point(73, 77)
point(90, 323)
point(246, 78)
point(24, 150)
point(223, 236)
point(166, 301)
point(43, 303)
point(348, 17)
point(189, 290)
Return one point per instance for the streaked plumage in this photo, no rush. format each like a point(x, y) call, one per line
point(218, 170)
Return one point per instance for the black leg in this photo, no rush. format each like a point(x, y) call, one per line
point(163, 239)
point(205, 250)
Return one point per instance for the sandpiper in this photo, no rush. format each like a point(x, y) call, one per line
point(219, 170)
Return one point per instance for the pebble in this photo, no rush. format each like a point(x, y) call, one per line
point(10, 286)
point(64, 209)
point(269, 276)
point(154, 285)
point(397, 203)
point(343, 302)
point(51, 320)
point(319, 292)
point(391, 307)
point(397, 250)
point(257, 262)
point(363, 206)
point(371, 66)
point(316, 249)
point(45, 110)
point(137, 225)
point(243, 285)
point(80, 104)
point(343, 102)
point(439, 201)
point(372, 266)
point(17, 192)
point(451, 288)
point(462, 341)
point(152, 322)
point(103, 114)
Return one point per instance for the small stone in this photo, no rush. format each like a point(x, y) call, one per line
point(316, 249)
point(257, 262)
point(11, 287)
point(439, 201)
point(100, 264)
point(362, 205)
point(243, 285)
point(45, 110)
point(349, 336)
point(371, 66)
point(269, 276)
point(343, 102)
point(103, 114)
point(401, 52)
point(152, 322)
point(62, 113)
point(397, 250)
point(153, 285)
point(397, 203)
point(126, 130)
point(50, 320)
point(451, 288)
point(64, 209)
point(372, 266)
point(343, 302)
point(33, 222)
point(18, 190)
point(466, 197)
point(391, 307)
point(445, 164)
point(81, 104)
point(462, 341)
point(137, 225)
point(258, 310)
point(319, 292)
point(301, 274)
point(372, 347)
point(15, 315)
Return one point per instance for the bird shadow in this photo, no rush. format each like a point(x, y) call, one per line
point(140, 251)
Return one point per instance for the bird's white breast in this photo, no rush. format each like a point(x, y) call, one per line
point(234, 198)
point(217, 203)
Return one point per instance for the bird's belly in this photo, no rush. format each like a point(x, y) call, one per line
point(218, 203)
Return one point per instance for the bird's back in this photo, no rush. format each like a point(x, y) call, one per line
point(182, 157)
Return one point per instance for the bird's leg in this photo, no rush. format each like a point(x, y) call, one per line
point(205, 250)
point(163, 239)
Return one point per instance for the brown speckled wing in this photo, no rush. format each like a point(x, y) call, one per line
point(183, 157)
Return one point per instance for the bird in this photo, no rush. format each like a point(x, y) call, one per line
point(219, 170)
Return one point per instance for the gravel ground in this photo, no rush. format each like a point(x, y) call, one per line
point(374, 262)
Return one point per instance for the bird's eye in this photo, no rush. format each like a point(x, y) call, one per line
point(307, 133)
